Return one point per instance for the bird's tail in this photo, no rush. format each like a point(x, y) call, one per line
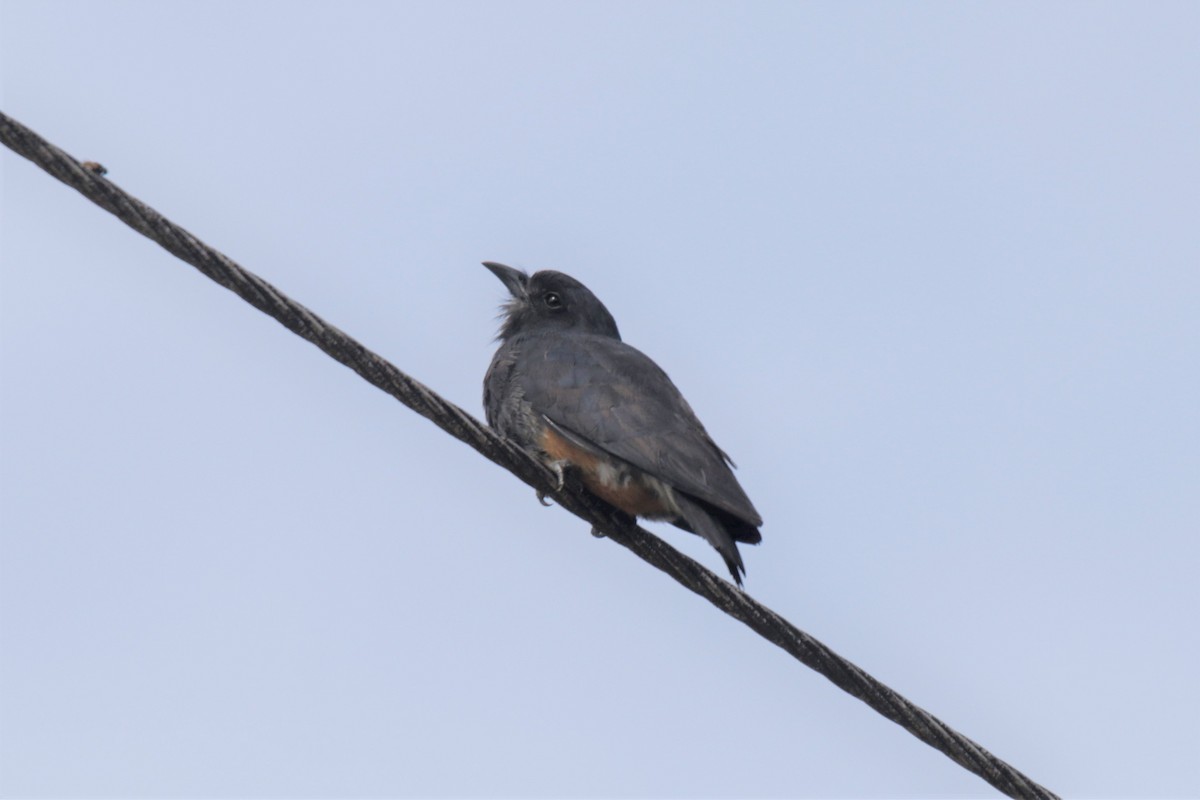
point(701, 522)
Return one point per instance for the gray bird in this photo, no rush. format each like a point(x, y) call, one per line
point(565, 387)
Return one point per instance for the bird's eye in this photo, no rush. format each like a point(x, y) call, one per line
point(552, 300)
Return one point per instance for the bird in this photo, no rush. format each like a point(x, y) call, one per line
point(565, 387)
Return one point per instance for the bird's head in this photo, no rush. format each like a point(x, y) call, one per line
point(549, 301)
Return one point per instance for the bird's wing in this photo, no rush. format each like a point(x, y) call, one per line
point(617, 399)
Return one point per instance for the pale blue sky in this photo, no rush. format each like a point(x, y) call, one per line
point(929, 272)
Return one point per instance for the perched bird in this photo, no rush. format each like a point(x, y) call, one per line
point(565, 387)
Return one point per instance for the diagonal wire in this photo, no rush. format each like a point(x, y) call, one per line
point(88, 179)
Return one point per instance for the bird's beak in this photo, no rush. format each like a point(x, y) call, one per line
point(514, 279)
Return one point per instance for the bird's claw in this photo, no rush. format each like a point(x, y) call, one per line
point(559, 482)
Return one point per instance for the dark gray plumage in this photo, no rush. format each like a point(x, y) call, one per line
point(564, 385)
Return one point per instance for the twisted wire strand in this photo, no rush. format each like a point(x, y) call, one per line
point(87, 178)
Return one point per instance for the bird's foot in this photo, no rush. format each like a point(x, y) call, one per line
point(559, 480)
